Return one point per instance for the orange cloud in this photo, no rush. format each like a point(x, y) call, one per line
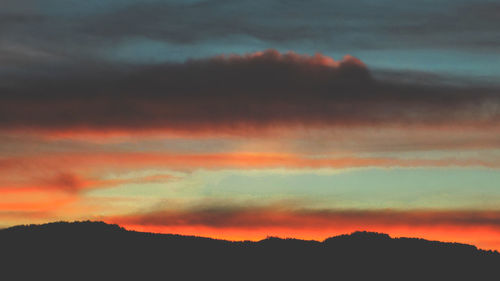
point(92, 161)
point(71, 183)
point(32, 200)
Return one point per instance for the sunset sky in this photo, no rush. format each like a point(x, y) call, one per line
point(246, 119)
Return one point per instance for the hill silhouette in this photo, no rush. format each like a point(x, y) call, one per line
point(100, 251)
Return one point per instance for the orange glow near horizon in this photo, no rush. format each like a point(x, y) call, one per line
point(485, 238)
point(478, 228)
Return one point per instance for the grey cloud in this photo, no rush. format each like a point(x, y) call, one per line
point(237, 92)
point(83, 30)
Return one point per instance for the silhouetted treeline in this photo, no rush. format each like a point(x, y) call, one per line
point(99, 251)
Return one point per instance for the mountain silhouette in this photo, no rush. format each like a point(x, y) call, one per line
point(99, 251)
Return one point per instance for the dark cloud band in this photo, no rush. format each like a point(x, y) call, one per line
point(227, 92)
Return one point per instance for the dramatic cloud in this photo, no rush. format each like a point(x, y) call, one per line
point(227, 93)
point(111, 109)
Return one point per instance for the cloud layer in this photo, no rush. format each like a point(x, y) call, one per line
point(258, 90)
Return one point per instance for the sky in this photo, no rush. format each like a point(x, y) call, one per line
point(246, 119)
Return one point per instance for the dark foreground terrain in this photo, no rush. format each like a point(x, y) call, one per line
point(99, 251)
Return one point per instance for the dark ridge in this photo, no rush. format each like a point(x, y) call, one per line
point(97, 251)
